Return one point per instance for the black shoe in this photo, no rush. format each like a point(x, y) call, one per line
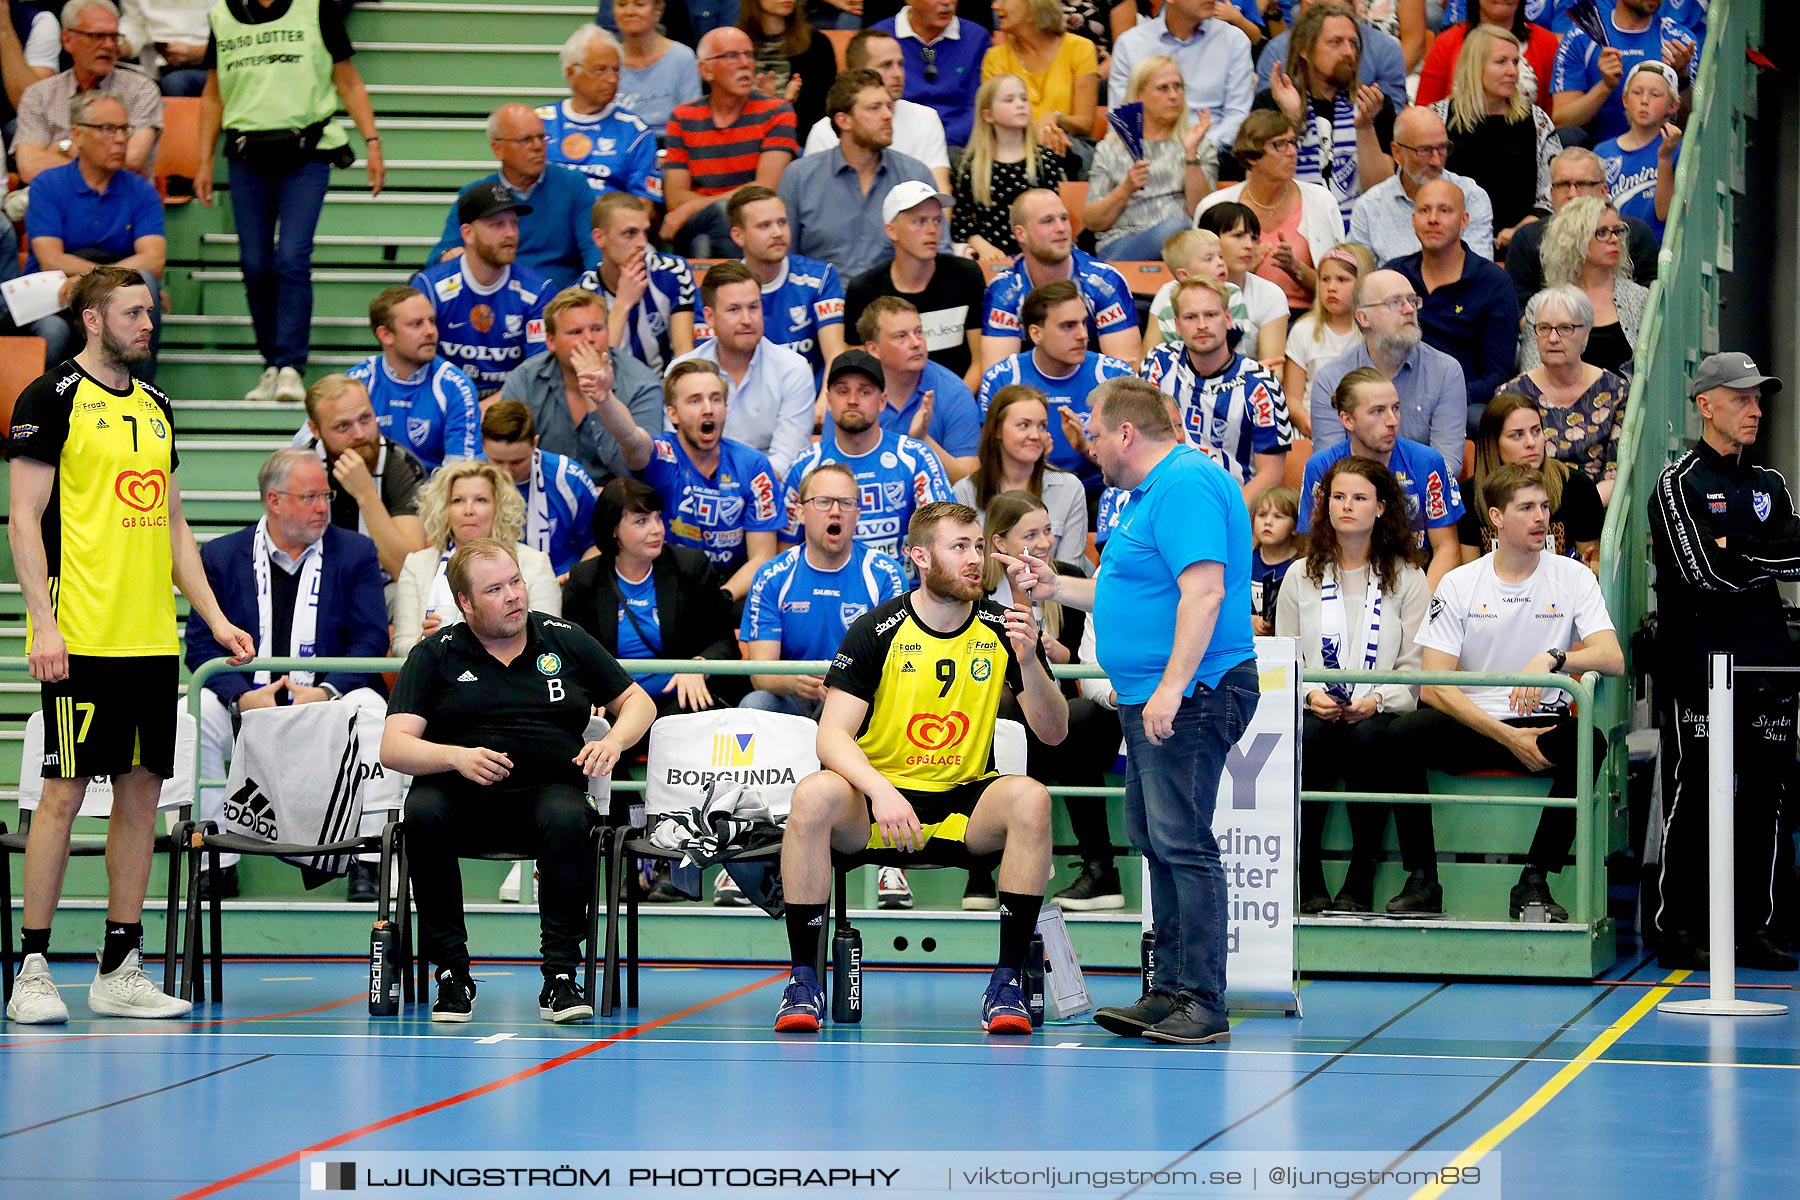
point(1095, 889)
point(1422, 894)
point(1533, 889)
point(980, 894)
point(1759, 952)
point(561, 1001)
point(1191, 1025)
point(1680, 952)
point(227, 883)
point(1150, 1008)
point(456, 996)
point(1312, 906)
point(365, 883)
point(1345, 902)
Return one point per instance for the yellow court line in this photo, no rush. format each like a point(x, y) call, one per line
point(1562, 1079)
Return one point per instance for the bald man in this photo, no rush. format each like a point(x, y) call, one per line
point(1470, 312)
point(721, 142)
point(555, 222)
point(1382, 217)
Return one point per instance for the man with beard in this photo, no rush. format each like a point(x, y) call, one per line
point(1232, 407)
point(1430, 382)
point(374, 482)
point(97, 533)
point(420, 399)
point(589, 133)
point(1040, 222)
point(488, 717)
point(721, 496)
point(490, 309)
point(1345, 127)
point(834, 198)
point(1171, 606)
point(803, 298)
point(906, 742)
point(1382, 218)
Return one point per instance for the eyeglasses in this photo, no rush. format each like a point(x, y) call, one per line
point(527, 139)
point(731, 56)
point(114, 37)
point(1282, 143)
point(1586, 185)
point(309, 499)
point(601, 71)
point(1611, 233)
point(1440, 150)
point(827, 504)
point(1398, 304)
point(929, 54)
point(108, 131)
point(1564, 332)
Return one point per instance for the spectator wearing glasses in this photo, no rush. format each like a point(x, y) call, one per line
point(1585, 246)
point(1214, 58)
point(727, 139)
point(44, 138)
point(656, 73)
point(591, 132)
point(1134, 206)
point(943, 54)
point(1430, 382)
point(1382, 218)
point(168, 39)
point(1583, 405)
point(1574, 173)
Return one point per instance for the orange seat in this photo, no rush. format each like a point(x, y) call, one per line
point(21, 361)
point(840, 42)
point(1074, 197)
point(1294, 472)
point(178, 150)
point(1100, 125)
point(1144, 278)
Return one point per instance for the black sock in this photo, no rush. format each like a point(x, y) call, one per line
point(121, 939)
point(1018, 921)
point(34, 941)
point(805, 925)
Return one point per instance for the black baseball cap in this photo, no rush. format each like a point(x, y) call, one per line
point(859, 362)
point(486, 199)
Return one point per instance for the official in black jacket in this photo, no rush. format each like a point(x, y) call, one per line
point(1724, 531)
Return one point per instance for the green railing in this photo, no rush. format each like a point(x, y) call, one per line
point(1681, 326)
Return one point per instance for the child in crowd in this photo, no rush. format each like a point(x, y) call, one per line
point(1272, 525)
point(1190, 252)
point(1640, 163)
point(1329, 329)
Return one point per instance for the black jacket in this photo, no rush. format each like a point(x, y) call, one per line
point(1722, 598)
point(694, 614)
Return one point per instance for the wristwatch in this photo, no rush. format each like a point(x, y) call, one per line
point(1557, 659)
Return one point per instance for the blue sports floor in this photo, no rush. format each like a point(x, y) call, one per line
point(1585, 1091)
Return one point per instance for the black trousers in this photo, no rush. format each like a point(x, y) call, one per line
point(1437, 740)
point(1364, 757)
point(446, 819)
point(1764, 752)
point(1080, 760)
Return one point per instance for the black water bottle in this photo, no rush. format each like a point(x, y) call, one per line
point(1034, 980)
point(846, 976)
point(1147, 958)
point(384, 970)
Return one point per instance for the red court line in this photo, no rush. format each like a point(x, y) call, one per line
point(288, 1160)
point(164, 1030)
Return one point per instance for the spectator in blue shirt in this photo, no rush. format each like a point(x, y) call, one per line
point(555, 203)
point(1584, 85)
point(1470, 311)
point(420, 399)
point(93, 212)
point(804, 599)
point(589, 132)
point(925, 401)
point(1213, 55)
point(1640, 163)
point(1040, 222)
point(943, 62)
point(1383, 59)
point(802, 297)
point(559, 496)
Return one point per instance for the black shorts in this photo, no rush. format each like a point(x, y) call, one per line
point(943, 817)
point(110, 715)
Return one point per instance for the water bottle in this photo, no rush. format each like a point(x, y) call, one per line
point(384, 970)
point(1034, 980)
point(1147, 958)
point(846, 976)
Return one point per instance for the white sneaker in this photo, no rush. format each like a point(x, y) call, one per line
point(727, 893)
point(265, 387)
point(128, 992)
point(289, 387)
point(892, 890)
point(34, 1000)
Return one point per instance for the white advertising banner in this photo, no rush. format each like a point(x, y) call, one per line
point(1254, 824)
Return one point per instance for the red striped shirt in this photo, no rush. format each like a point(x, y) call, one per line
point(718, 160)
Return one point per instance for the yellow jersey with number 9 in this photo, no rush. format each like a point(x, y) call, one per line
point(106, 528)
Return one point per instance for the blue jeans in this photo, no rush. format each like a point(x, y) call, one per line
point(792, 705)
point(1170, 791)
point(1146, 244)
point(183, 81)
point(276, 216)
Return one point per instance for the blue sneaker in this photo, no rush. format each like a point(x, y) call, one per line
point(802, 1005)
point(1003, 1007)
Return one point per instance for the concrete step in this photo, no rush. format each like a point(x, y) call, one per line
point(497, 24)
point(462, 68)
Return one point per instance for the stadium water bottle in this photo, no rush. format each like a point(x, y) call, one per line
point(1147, 957)
point(846, 976)
point(384, 970)
point(1034, 980)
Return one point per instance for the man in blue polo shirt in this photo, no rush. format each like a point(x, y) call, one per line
point(925, 401)
point(93, 212)
point(943, 61)
point(588, 133)
point(804, 599)
point(1171, 605)
point(1040, 221)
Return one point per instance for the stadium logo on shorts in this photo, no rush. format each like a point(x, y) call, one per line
point(548, 664)
point(734, 749)
point(928, 731)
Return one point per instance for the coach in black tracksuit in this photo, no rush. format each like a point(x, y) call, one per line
point(1724, 531)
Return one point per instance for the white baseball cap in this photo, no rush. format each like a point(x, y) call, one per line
point(1659, 68)
point(907, 195)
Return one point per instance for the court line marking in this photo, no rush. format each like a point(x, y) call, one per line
point(140, 1096)
point(186, 1027)
point(1570, 1072)
point(410, 1114)
point(495, 1038)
